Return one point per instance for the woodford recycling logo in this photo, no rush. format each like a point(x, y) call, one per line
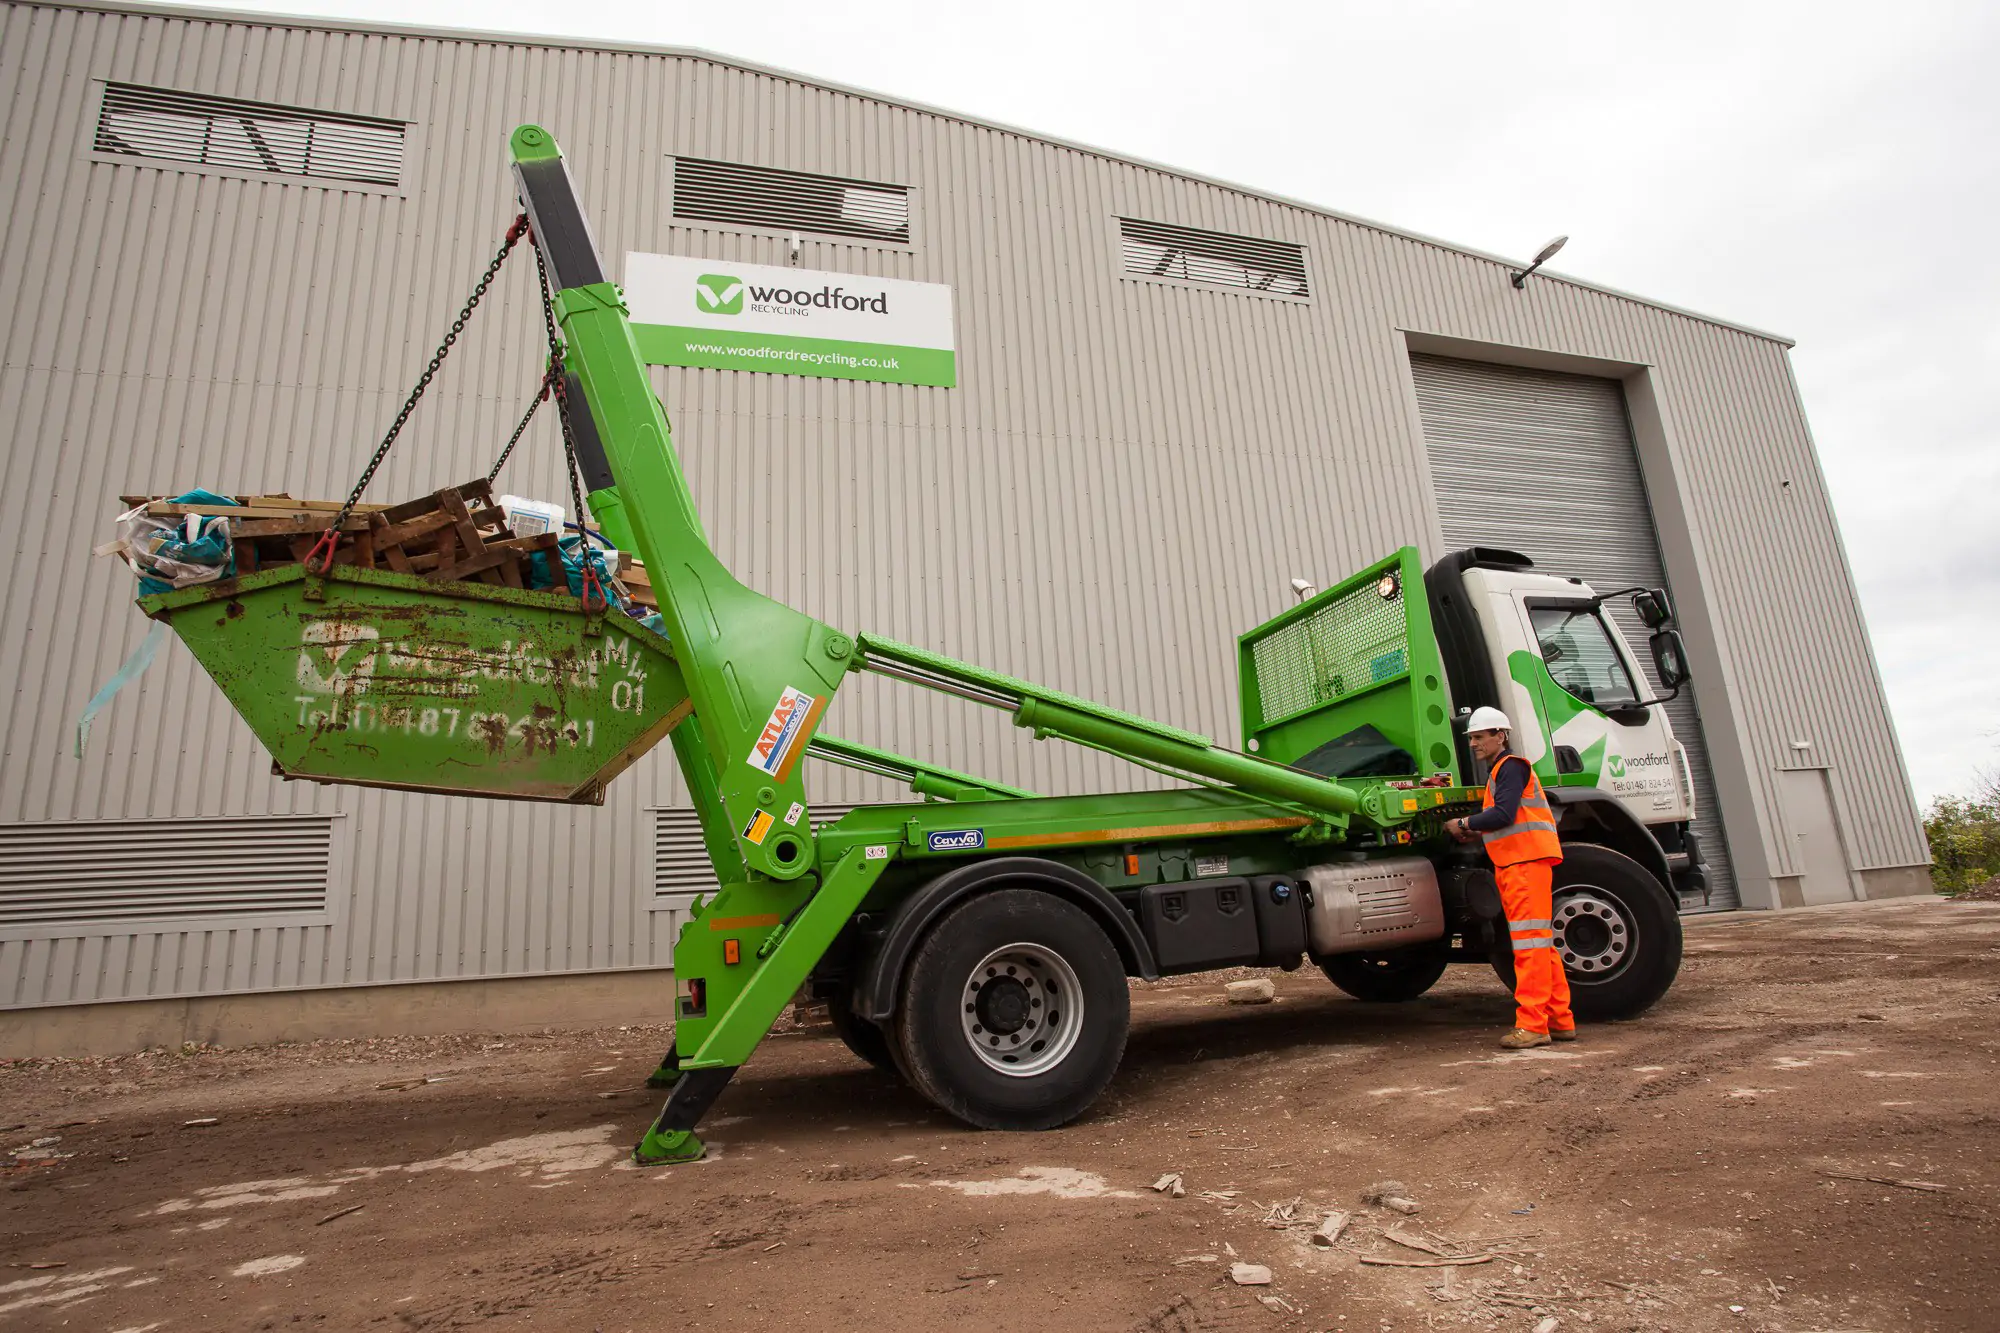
point(790, 321)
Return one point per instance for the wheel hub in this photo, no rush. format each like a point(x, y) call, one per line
point(1594, 933)
point(1022, 1009)
point(1004, 1006)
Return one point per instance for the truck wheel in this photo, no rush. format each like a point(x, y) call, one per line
point(1014, 1012)
point(1386, 978)
point(1618, 934)
point(859, 1035)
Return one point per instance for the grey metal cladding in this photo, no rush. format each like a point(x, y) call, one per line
point(1126, 478)
point(740, 194)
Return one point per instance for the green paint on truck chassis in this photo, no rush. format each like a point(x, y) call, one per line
point(742, 684)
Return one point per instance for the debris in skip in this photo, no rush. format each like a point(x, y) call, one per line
point(460, 534)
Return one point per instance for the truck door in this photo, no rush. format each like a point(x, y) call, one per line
point(1588, 689)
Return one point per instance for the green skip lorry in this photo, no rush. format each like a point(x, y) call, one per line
point(977, 940)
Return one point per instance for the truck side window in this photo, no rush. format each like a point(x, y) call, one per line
point(1581, 657)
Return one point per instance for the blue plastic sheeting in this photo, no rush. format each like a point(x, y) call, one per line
point(574, 551)
point(135, 666)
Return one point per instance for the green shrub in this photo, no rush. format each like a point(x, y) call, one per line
point(1964, 833)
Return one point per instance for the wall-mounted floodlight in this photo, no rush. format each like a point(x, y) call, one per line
point(1548, 252)
point(1303, 590)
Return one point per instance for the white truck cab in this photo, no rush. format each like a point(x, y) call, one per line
point(1541, 648)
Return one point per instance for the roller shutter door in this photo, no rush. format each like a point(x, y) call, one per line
point(1544, 464)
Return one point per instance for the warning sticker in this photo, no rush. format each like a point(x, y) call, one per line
point(759, 827)
point(792, 815)
point(779, 746)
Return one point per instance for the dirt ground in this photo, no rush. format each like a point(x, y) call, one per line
point(1701, 1168)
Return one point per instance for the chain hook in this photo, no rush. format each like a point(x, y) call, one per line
point(320, 558)
point(595, 600)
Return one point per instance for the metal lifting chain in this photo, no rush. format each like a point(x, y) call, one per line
point(594, 597)
point(542, 391)
point(320, 558)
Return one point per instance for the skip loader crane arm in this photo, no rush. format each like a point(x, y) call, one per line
point(758, 678)
point(757, 674)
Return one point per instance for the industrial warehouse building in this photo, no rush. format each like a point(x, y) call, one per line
point(1145, 402)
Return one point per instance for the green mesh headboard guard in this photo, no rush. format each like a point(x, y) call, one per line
point(1361, 654)
point(1352, 642)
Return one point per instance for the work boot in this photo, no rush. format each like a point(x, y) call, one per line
point(1562, 1034)
point(1521, 1039)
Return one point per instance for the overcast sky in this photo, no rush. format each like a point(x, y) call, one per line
point(1827, 171)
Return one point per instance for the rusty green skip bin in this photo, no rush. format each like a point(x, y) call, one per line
point(381, 679)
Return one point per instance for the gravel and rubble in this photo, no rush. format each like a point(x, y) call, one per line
point(1801, 1137)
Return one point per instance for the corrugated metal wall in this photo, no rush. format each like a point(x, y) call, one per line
point(1126, 478)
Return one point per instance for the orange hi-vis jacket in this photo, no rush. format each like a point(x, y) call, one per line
point(1532, 835)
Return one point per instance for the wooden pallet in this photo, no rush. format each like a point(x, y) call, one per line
point(632, 577)
point(458, 534)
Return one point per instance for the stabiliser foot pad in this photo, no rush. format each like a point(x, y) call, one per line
point(671, 1139)
point(658, 1149)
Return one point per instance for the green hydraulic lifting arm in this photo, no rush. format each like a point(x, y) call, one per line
point(759, 677)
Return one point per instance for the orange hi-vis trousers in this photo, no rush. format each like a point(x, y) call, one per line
point(1541, 991)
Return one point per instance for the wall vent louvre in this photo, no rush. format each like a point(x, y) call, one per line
point(66, 872)
point(1162, 250)
point(680, 862)
point(163, 125)
point(748, 196)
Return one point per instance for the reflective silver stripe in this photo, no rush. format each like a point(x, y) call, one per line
point(1523, 945)
point(1532, 815)
point(1519, 826)
point(1530, 925)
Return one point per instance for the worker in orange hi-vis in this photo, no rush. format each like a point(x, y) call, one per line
point(1519, 828)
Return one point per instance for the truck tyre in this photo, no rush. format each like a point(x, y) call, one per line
point(859, 1035)
point(1014, 1011)
point(1386, 978)
point(1617, 931)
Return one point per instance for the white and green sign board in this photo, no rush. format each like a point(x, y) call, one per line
point(790, 321)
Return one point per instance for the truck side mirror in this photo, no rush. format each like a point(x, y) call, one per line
point(1670, 658)
point(1654, 607)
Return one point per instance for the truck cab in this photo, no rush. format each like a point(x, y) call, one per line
point(1542, 648)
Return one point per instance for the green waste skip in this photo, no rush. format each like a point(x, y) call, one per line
point(382, 679)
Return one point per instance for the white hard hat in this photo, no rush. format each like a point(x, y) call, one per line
point(1488, 719)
